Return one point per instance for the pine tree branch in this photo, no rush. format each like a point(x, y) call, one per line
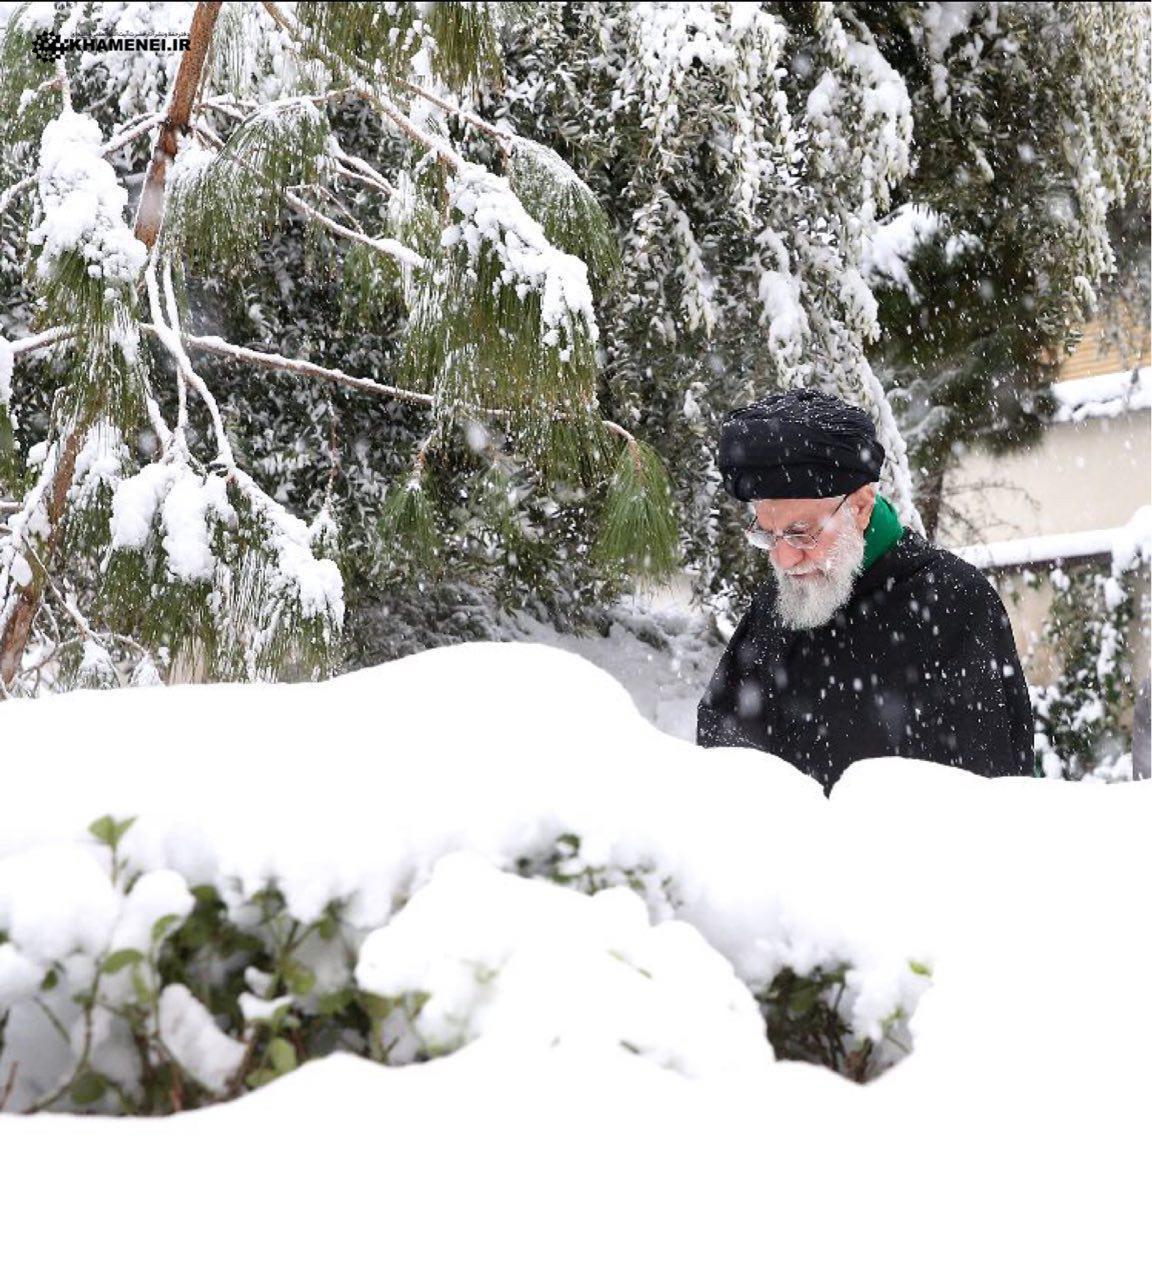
point(150, 210)
point(171, 339)
point(282, 364)
point(361, 169)
point(349, 166)
point(64, 84)
point(386, 245)
point(68, 604)
point(503, 138)
point(21, 613)
point(176, 441)
point(441, 149)
point(623, 433)
point(478, 122)
point(36, 341)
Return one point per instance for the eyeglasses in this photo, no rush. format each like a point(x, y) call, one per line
point(765, 539)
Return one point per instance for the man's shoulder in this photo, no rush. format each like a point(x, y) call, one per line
point(934, 584)
point(923, 566)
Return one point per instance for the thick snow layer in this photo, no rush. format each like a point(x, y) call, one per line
point(83, 204)
point(523, 963)
point(1007, 1143)
point(493, 215)
point(1104, 395)
point(888, 247)
point(660, 648)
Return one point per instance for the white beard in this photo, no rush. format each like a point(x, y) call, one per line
point(812, 598)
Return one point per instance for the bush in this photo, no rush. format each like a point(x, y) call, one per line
point(127, 991)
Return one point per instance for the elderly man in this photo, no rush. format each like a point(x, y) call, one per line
point(864, 640)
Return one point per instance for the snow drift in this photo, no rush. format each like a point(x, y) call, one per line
point(603, 1068)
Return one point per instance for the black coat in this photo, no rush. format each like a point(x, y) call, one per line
point(920, 662)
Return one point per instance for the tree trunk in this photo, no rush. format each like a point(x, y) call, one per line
point(930, 498)
point(19, 625)
point(150, 211)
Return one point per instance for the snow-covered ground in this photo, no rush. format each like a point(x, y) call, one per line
point(659, 646)
point(605, 1110)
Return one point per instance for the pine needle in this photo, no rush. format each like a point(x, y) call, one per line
point(22, 118)
point(220, 211)
point(458, 41)
point(563, 204)
point(637, 526)
point(408, 527)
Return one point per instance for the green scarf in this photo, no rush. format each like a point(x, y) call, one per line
point(883, 532)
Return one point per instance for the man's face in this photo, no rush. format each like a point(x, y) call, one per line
point(813, 582)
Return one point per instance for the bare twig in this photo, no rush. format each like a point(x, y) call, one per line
point(9, 1085)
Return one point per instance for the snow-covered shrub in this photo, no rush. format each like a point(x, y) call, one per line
point(1083, 717)
point(143, 992)
point(214, 942)
point(479, 954)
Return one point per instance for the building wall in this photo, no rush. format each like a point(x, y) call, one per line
point(1086, 475)
point(1091, 356)
point(1082, 475)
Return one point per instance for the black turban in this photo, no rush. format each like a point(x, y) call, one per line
point(798, 444)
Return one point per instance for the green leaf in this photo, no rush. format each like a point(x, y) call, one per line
point(88, 1088)
point(121, 960)
point(803, 1000)
point(374, 1006)
point(141, 988)
point(110, 832)
point(51, 978)
point(282, 1056)
point(161, 927)
point(300, 979)
point(922, 969)
point(335, 1002)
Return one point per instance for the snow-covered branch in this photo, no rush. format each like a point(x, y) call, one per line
point(171, 339)
point(116, 143)
point(283, 364)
